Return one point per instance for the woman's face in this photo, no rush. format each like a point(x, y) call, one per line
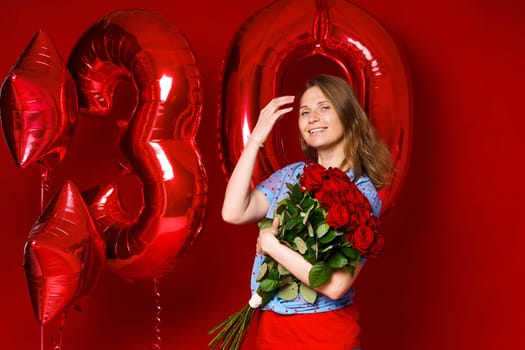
point(319, 124)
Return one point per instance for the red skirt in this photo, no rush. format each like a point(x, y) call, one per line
point(334, 330)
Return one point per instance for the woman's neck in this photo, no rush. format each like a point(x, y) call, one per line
point(333, 161)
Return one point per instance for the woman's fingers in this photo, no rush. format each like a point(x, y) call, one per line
point(269, 115)
point(275, 225)
point(276, 104)
point(267, 235)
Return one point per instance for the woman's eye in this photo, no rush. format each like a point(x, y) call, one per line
point(303, 113)
point(325, 107)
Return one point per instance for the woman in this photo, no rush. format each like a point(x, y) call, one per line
point(335, 132)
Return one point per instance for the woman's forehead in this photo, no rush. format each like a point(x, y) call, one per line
point(313, 96)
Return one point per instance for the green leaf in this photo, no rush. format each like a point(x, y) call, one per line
point(294, 223)
point(297, 194)
point(322, 229)
point(337, 260)
point(273, 273)
point(289, 292)
point(268, 285)
point(266, 297)
point(264, 223)
point(271, 263)
point(262, 272)
point(282, 270)
point(328, 237)
point(310, 229)
point(309, 203)
point(300, 244)
point(351, 253)
point(306, 215)
point(351, 269)
point(319, 274)
point(308, 293)
point(324, 249)
point(282, 221)
point(315, 249)
point(292, 209)
point(310, 241)
point(310, 256)
point(280, 207)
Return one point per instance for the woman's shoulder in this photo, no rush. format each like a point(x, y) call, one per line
point(364, 181)
point(293, 168)
point(285, 174)
point(367, 188)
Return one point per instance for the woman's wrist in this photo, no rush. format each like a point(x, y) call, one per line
point(255, 141)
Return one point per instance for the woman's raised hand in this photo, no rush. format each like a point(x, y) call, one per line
point(242, 204)
point(269, 115)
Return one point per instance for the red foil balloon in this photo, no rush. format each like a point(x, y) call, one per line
point(63, 255)
point(282, 46)
point(157, 143)
point(38, 105)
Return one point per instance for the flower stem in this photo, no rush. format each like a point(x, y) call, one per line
point(233, 330)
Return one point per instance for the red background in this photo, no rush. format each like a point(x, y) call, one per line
point(451, 275)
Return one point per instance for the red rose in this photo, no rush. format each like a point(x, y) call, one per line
point(362, 239)
point(373, 222)
point(337, 216)
point(312, 177)
point(334, 190)
point(327, 195)
point(355, 196)
point(335, 173)
point(377, 246)
point(358, 217)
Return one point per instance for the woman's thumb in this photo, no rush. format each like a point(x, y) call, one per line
point(275, 222)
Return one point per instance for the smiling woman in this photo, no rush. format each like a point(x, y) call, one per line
point(444, 232)
point(362, 147)
point(320, 126)
point(344, 149)
point(274, 54)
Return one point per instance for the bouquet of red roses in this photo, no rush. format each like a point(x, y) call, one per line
point(330, 223)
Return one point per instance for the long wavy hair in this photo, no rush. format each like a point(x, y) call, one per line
point(364, 150)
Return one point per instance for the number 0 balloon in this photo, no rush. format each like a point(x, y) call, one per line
point(279, 48)
point(158, 142)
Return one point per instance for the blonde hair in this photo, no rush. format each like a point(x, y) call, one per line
point(364, 150)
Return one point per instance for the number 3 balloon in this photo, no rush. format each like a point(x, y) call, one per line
point(279, 48)
point(158, 142)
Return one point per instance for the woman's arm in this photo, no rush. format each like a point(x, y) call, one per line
point(338, 284)
point(241, 204)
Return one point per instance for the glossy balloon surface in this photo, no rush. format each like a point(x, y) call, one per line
point(156, 143)
point(38, 105)
point(282, 46)
point(63, 255)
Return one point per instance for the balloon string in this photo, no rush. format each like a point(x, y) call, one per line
point(61, 329)
point(158, 309)
point(60, 332)
point(44, 184)
point(41, 337)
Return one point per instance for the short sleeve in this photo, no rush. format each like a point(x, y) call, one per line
point(274, 187)
point(367, 188)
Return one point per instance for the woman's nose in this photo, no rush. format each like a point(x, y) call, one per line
point(313, 117)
